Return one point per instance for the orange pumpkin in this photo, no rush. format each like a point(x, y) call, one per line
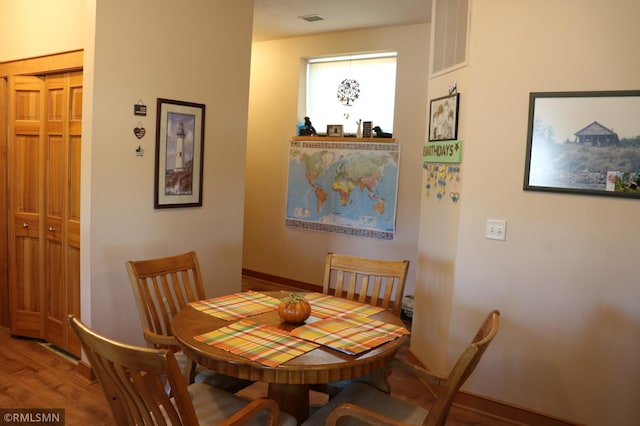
point(294, 308)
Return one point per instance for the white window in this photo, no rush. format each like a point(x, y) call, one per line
point(375, 78)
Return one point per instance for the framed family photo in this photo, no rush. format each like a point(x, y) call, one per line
point(443, 118)
point(179, 154)
point(335, 130)
point(584, 142)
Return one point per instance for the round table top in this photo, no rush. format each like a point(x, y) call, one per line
point(321, 365)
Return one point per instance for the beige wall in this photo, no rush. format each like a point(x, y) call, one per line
point(159, 49)
point(565, 279)
point(30, 28)
point(269, 246)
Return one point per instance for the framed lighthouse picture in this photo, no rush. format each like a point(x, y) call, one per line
point(179, 149)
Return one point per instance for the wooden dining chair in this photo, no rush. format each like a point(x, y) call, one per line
point(163, 287)
point(134, 381)
point(375, 281)
point(361, 404)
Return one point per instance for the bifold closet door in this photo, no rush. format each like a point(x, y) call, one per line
point(44, 185)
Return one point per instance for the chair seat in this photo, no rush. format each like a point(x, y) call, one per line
point(377, 379)
point(214, 406)
point(367, 397)
point(210, 377)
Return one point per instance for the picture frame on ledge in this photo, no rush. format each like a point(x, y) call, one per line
point(584, 143)
point(179, 154)
point(443, 118)
point(335, 130)
point(367, 126)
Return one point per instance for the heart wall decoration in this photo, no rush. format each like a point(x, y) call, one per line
point(139, 131)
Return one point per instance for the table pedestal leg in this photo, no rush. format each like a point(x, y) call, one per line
point(292, 399)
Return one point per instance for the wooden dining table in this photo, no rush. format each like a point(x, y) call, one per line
point(288, 383)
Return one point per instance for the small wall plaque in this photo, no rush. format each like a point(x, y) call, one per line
point(140, 109)
point(139, 131)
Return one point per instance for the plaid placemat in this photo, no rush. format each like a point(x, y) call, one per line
point(237, 305)
point(258, 342)
point(351, 333)
point(326, 306)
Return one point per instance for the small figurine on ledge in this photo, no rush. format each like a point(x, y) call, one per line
point(380, 133)
point(308, 130)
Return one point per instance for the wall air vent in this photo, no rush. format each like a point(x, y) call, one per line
point(312, 18)
point(450, 31)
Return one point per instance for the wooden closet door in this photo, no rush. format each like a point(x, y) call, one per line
point(25, 178)
point(73, 205)
point(62, 207)
point(44, 184)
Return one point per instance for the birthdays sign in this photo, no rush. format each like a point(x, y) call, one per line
point(442, 152)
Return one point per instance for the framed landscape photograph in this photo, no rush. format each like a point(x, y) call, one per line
point(179, 149)
point(443, 118)
point(584, 142)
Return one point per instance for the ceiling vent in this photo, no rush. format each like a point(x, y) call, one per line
point(312, 18)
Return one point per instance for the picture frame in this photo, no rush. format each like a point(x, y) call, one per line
point(443, 118)
point(584, 143)
point(367, 126)
point(335, 130)
point(179, 154)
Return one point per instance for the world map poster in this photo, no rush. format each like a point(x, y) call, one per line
point(348, 188)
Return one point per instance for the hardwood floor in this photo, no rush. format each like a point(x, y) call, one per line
point(35, 376)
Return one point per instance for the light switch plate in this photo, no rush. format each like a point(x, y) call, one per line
point(496, 229)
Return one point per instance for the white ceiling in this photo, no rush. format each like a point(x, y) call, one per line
point(274, 19)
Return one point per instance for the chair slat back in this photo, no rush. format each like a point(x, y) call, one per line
point(163, 287)
point(462, 369)
point(374, 281)
point(133, 380)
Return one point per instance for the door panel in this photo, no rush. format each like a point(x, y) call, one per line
point(26, 295)
point(54, 284)
point(55, 293)
point(73, 256)
point(25, 161)
point(63, 124)
point(26, 174)
point(74, 150)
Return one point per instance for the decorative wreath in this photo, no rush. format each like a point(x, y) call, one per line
point(348, 91)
